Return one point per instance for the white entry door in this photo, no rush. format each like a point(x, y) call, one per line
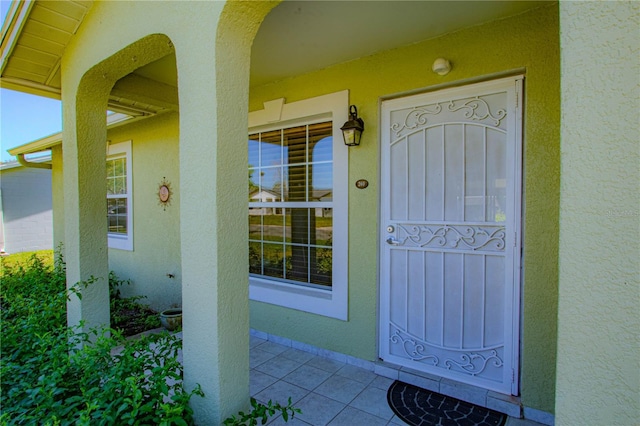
point(450, 233)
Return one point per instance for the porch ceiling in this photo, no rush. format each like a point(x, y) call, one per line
point(296, 37)
point(302, 36)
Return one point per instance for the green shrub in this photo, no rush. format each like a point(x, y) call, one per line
point(135, 383)
point(54, 375)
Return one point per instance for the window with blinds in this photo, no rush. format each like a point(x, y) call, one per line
point(291, 204)
point(119, 197)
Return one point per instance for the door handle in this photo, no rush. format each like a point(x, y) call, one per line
point(392, 241)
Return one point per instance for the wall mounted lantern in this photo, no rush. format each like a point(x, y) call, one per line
point(352, 129)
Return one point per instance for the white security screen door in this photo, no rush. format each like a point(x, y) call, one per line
point(450, 233)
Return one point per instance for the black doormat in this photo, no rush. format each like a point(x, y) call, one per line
point(420, 407)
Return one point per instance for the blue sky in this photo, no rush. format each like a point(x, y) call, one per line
point(24, 118)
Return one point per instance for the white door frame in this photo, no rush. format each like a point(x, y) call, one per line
point(514, 155)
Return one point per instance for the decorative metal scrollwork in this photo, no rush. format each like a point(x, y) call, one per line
point(412, 348)
point(453, 236)
point(476, 109)
point(417, 117)
point(475, 363)
point(474, 106)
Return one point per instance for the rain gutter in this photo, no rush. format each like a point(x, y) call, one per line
point(48, 142)
point(32, 164)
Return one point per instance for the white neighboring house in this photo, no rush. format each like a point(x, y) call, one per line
point(26, 213)
point(26, 209)
point(323, 195)
point(264, 196)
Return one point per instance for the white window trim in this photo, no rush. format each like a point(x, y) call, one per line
point(119, 241)
point(276, 115)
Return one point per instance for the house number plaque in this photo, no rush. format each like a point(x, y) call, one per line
point(362, 183)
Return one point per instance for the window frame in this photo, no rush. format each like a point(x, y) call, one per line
point(114, 240)
point(331, 302)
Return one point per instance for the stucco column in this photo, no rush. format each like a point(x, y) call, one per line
point(213, 229)
point(213, 85)
point(84, 158)
point(598, 363)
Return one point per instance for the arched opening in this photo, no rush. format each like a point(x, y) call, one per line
point(130, 84)
point(149, 139)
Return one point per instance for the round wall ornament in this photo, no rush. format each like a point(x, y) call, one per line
point(164, 193)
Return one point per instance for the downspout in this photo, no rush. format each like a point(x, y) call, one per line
point(31, 164)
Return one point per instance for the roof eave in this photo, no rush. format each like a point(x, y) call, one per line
point(48, 142)
point(39, 145)
point(14, 22)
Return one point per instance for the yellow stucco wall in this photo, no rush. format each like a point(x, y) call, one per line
point(526, 42)
point(156, 238)
point(154, 146)
point(599, 299)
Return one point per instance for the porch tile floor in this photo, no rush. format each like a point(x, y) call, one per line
point(329, 392)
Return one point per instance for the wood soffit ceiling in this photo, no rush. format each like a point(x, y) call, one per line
point(39, 43)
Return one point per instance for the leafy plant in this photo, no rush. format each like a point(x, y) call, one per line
point(56, 375)
point(262, 412)
point(53, 374)
point(135, 383)
point(127, 313)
